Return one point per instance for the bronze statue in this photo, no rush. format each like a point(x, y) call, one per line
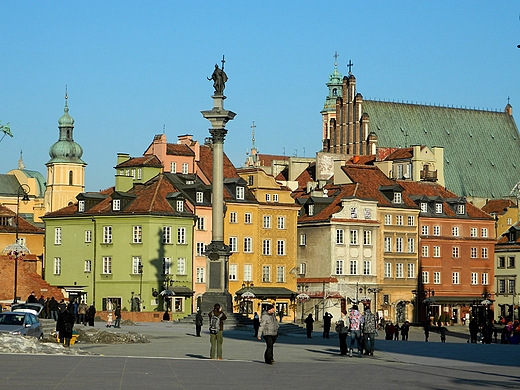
point(219, 78)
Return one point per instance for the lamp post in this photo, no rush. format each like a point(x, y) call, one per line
point(18, 251)
point(140, 269)
point(247, 297)
point(375, 291)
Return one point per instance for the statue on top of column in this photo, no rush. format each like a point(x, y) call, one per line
point(219, 78)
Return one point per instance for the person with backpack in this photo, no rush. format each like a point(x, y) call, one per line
point(269, 329)
point(342, 328)
point(216, 327)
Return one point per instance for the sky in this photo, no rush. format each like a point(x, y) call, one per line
point(134, 69)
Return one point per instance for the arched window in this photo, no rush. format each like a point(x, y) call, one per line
point(70, 178)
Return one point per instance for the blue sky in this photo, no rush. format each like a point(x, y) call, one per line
point(133, 67)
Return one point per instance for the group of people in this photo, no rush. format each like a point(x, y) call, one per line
point(81, 313)
point(359, 329)
point(392, 331)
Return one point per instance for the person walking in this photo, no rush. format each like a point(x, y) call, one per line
point(53, 308)
point(442, 331)
point(327, 320)
point(342, 329)
point(256, 323)
point(117, 314)
point(82, 312)
point(397, 328)
point(269, 329)
point(405, 329)
point(64, 326)
point(426, 331)
point(473, 330)
point(309, 325)
point(198, 322)
point(356, 321)
point(369, 331)
point(91, 315)
point(216, 327)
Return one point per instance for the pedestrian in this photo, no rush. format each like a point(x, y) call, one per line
point(256, 323)
point(216, 327)
point(198, 322)
point(53, 308)
point(327, 319)
point(369, 331)
point(91, 315)
point(405, 328)
point(62, 306)
point(396, 331)
point(473, 330)
point(109, 320)
point(426, 331)
point(47, 309)
point(356, 321)
point(32, 298)
point(82, 312)
point(443, 330)
point(280, 314)
point(41, 301)
point(64, 326)
point(117, 314)
point(342, 330)
point(309, 325)
point(389, 331)
point(269, 329)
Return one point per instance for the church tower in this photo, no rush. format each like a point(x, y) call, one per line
point(328, 113)
point(65, 169)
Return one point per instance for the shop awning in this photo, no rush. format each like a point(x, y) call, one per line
point(181, 291)
point(455, 300)
point(267, 292)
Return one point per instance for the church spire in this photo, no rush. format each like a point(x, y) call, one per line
point(21, 165)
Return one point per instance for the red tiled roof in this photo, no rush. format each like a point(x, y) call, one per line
point(498, 206)
point(401, 153)
point(179, 150)
point(266, 160)
point(362, 160)
point(24, 226)
point(146, 161)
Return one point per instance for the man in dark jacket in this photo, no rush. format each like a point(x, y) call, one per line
point(53, 308)
point(64, 327)
point(269, 329)
point(198, 322)
point(91, 315)
point(309, 325)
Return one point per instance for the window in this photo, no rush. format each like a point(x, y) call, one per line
point(367, 267)
point(354, 237)
point(353, 212)
point(388, 244)
point(353, 267)
point(473, 252)
point(107, 265)
point(199, 197)
point(88, 235)
point(455, 278)
point(116, 204)
point(180, 206)
point(425, 277)
point(267, 197)
point(136, 263)
point(455, 251)
point(511, 262)
point(461, 209)
point(88, 266)
point(399, 221)
point(501, 262)
point(181, 235)
point(388, 219)
point(280, 247)
point(368, 213)
point(485, 278)
point(240, 193)
point(248, 219)
point(311, 210)
point(232, 217)
point(437, 277)
point(248, 245)
point(484, 252)
point(185, 168)
point(57, 265)
point(181, 266)
point(399, 270)
point(280, 274)
point(339, 267)
point(139, 173)
point(267, 222)
point(275, 198)
point(340, 236)
point(511, 286)
point(137, 234)
point(266, 273)
point(399, 244)
point(473, 232)
point(81, 206)
point(424, 251)
point(200, 248)
point(303, 269)
point(266, 247)
point(501, 286)
point(199, 275)
point(281, 222)
point(424, 207)
point(509, 221)
point(411, 245)
point(250, 180)
point(484, 232)
point(398, 197)
point(424, 230)
point(438, 208)
point(436, 230)
point(107, 234)
point(474, 278)
point(455, 231)
point(233, 244)
point(173, 167)
point(167, 266)
point(248, 272)
point(388, 270)
point(133, 173)
point(201, 223)
point(436, 251)
point(367, 237)
point(411, 220)
point(57, 236)
point(167, 235)
point(303, 239)
point(233, 272)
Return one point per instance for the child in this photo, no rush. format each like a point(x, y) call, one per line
point(109, 320)
point(443, 334)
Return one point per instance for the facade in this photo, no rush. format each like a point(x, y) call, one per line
point(507, 251)
point(505, 212)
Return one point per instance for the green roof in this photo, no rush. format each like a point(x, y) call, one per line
point(481, 148)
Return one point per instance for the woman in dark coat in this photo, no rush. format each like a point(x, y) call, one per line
point(64, 326)
point(91, 314)
point(309, 325)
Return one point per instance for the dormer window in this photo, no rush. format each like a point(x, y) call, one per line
point(250, 180)
point(398, 197)
point(461, 209)
point(275, 198)
point(267, 197)
point(438, 208)
point(190, 182)
point(180, 206)
point(199, 197)
point(185, 168)
point(311, 210)
point(240, 193)
point(116, 204)
point(424, 207)
point(81, 206)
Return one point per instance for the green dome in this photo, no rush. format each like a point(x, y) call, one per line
point(66, 119)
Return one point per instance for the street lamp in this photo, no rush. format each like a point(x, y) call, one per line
point(140, 269)
point(247, 297)
point(375, 291)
